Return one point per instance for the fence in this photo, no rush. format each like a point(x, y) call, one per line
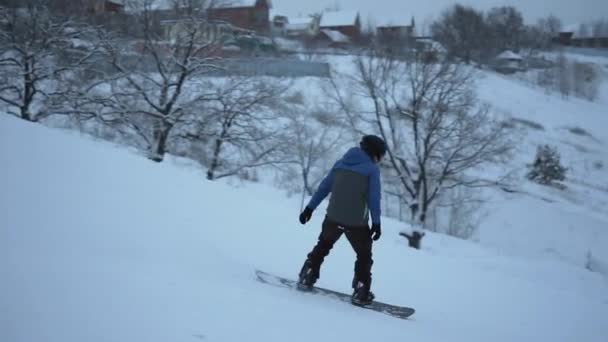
point(276, 67)
point(255, 66)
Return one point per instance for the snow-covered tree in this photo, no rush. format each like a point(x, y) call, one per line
point(547, 167)
point(156, 85)
point(242, 133)
point(39, 55)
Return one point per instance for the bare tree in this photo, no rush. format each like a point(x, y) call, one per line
point(156, 85)
point(243, 131)
point(311, 141)
point(463, 32)
point(438, 135)
point(38, 54)
point(506, 25)
point(548, 28)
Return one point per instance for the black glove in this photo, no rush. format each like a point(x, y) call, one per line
point(376, 231)
point(305, 215)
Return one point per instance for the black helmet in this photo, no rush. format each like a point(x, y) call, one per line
point(374, 146)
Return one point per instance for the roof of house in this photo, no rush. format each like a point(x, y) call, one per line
point(401, 21)
point(509, 55)
point(240, 3)
point(298, 24)
point(336, 37)
point(340, 18)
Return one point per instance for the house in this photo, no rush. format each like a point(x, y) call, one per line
point(346, 22)
point(393, 32)
point(87, 7)
point(574, 35)
point(107, 6)
point(302, 27)
point(332, 39)
point(248, 14)
point(508, 62)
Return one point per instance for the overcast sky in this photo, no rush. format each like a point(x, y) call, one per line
point(570, 11)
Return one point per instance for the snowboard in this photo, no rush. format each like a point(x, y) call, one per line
point(388, 309)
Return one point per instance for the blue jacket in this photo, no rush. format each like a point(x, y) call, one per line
point(359, 162)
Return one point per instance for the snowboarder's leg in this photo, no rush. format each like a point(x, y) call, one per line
point(330, 233)
point(361, 241)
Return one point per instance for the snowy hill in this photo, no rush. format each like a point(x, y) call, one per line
point(566, 224)
point(100, 244)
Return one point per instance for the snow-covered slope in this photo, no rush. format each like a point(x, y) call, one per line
point(100, 244)
point(566, 224)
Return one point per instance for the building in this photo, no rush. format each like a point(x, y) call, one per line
point(346, 22)
point(332, 39)
point(247, 14)
point(302, 27)
point(104, 6)
point(396, 32)
point(508, 62)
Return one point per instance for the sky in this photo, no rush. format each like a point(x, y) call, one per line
point(570, 11)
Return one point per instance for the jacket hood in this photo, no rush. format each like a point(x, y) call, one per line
point(355, 156)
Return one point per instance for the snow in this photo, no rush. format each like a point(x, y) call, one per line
point(510, 55)
point(299, 24)
point(336, 36)
point(240, 3)
point(338, 18)
point(100, 244)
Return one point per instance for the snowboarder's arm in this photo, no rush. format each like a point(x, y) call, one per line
point(323, 190)
point(374, 195)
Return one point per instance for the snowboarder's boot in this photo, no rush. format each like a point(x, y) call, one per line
point(308, 276)
point(362, 295)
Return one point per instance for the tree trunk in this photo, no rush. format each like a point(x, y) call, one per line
point(28, 93)
point(159, 148)
point(215, 162)
point(25, 113)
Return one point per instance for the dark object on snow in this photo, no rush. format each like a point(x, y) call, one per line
point(305, 215)
point(414, 239)
point(388, 309)
point(547, 167)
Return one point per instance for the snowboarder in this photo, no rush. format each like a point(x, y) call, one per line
point(354, 184)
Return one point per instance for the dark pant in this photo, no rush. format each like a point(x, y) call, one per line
point(359, 238)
